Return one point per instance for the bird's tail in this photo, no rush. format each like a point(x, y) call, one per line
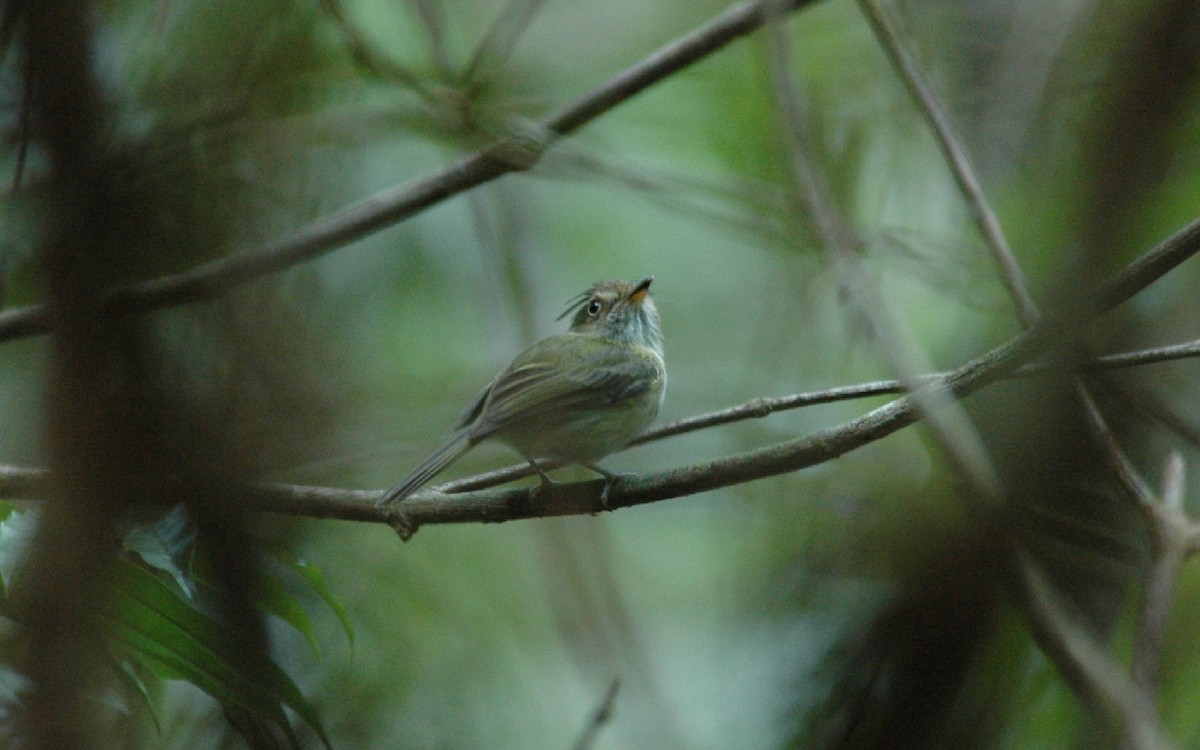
point(441, 458)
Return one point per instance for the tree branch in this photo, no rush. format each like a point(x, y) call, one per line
point(517, 152)
point(322, 502)
point(496, 505)
point(1098, 680)
point(601, 716)
point(931, 108)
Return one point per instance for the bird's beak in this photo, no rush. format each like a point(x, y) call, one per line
point(641, 290)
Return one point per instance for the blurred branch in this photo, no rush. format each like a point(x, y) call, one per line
point(499, 40)
point(1147, 402)
point(956, 157)
point(518, 152)
point(1126, 473)
point(430, 14)
point(366, 59)
point(945, 419)
point(601, 717)
point(1098, 680)
point(1173, 539)
point(96, 396)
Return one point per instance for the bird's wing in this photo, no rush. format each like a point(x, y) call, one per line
point(556, 378)
point(472, 412)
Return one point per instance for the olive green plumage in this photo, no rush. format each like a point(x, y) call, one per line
point(575, 397)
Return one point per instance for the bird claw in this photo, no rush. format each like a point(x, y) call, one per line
point(610, 481)
point(546, 484)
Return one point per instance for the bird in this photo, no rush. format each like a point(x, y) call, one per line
point(574, 397)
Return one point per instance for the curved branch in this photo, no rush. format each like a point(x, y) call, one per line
point(431, 506)
point(516, 153)
point(765, 406)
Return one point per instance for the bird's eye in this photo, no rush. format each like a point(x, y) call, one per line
point(594, 307)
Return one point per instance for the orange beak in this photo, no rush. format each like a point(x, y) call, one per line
point(641, 290)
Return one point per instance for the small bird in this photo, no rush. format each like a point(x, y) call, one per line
point(575, 397)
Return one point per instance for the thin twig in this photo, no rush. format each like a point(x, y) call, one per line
point(1149, 404)
point(601, 716)
point(364, 57)
point(767, 405)
point(516, 153)
point(956, 157)
point(1126, 473)
point(430, 14)
point(1087, 667)
point(945, 420)
point(1170, 535)
point(499, 40)
point(1152, 265)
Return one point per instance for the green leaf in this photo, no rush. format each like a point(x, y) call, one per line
point(15, 533)
point(156, 623)
point(270, 596)
point(274, 599)
point(313, 576)
point(152, 544)
point(129, 674)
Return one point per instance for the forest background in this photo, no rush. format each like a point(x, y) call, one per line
point(929, 330)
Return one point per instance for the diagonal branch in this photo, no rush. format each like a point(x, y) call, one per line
point(515, 153)
point(944, 419)
point(1169, 531)
point(956, 157)
point(496, 505)
point(1100, 681)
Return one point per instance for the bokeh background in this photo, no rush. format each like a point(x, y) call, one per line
point(852, 604)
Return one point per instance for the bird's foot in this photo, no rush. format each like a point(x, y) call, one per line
point(610, 480)
point(546, 485)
